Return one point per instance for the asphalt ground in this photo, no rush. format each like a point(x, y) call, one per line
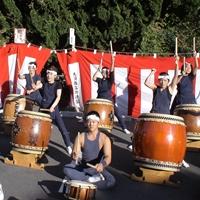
point(21, 183)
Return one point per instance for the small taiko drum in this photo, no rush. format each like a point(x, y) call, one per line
point(159, 141)
point(80, 190)
point(13, 104)
point(31, 132)
point(105, 109)
point(191, 116)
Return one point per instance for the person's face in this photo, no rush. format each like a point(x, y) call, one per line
point(31, 70)
point(92, 125)
point(51, 77)
point(188, 68)
point(163, 82)
point(104, 73)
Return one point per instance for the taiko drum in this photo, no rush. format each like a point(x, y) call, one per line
point(81, 190)
point(159, 141)
point(13, 104)
point(31, 132)
point(105, 109)
point(191, 116)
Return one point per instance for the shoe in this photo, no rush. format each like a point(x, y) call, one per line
point(95, 178)
point(127, 131)
point(130, 147)
point(1, 193)
point(185, 164)
point(69, 150)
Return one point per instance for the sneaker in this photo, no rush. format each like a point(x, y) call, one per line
point(130, 147)
point(95, 178)
point(185, 164)
point(69, 150)
point(1, 193)
point(127, 131)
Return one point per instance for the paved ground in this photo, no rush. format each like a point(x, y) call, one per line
point(21, 183)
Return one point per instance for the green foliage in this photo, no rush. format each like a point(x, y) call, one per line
point(132, 25)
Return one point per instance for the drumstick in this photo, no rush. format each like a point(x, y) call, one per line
point(101, 61)
point(111, 47)
point(94, 167)
point(194, 47)
point(176, 46)
point(77, 147)
point(45, 109)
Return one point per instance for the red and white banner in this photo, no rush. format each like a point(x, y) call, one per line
point(14, 60)
point(129, 91)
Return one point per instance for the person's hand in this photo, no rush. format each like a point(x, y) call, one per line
point(194, 53)
point(29, 91)
point(52, 109)
point(33, 86)
point(99, 167)
point(177, 59)
point(153, 70)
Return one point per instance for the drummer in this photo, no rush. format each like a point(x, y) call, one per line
point(185, 93)
point(162, 93)
point(33, 83)
point(105, 83)
point(96, 150)
point(51, 95)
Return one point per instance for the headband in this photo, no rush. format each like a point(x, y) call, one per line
point(52, 72)
point(32, 65)
point(163, 77)
point(93, 117)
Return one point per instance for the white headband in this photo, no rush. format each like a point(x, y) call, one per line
point(93, 117)
point(32, 65)
point(163, 77)
point(52, 72)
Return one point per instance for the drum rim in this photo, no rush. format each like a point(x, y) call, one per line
point(100, 99)
point(167, 116)
point(82, 183)
point(40, 114)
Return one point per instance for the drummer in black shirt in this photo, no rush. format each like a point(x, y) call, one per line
point(104, 89)
point(51, 95)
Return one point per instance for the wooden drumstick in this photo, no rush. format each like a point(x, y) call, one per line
point(176, 46)
point(194, 46)
point(77, 147)
point(101, 61)
point(94, 167)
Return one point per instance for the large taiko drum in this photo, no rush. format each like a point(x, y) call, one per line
point(105, 109)
point(81, 190)
point(191, 115)
point(159, 141)
point(31, 132)
point(13, 104)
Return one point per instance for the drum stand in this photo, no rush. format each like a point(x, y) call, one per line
point(154, 176)
point(193, 145)
point(24, 159)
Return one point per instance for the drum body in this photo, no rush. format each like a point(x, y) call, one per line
point(191, 116)
point(81, 190)
point(15, 103)
point(31, 132)
point(159, 141)
point(105, 109)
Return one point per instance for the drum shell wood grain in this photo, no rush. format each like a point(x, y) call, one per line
point(159, 143)
point(81, 191)
point(13, 104)
point(191, 115)
point(31, 132)
point(105, 109)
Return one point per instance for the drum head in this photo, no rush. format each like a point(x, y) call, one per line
point(34, 114)
point(99, 100)
point(82, 184)
point(161, 117)
point(192, 107)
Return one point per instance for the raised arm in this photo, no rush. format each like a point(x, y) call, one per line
point(149, 82)
point(196, 64)
point(112, 63)
point(96, 74)
point(175, 80)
